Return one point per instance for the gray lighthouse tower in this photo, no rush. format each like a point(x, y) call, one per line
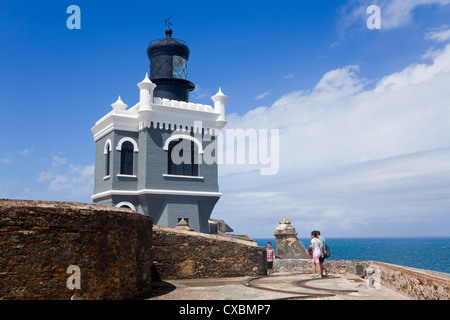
point(158, 156)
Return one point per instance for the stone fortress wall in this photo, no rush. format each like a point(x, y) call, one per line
point(120, 252)
point(39, 240)
point(180, 254)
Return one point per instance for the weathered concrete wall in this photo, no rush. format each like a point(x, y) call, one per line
point(40, 239)
point(333, 266)
point(179, 254)
point(417, 283)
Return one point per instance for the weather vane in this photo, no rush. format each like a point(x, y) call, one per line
point(168, 22)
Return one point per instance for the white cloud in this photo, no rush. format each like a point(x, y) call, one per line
point(6, 186)
point(289, 76)
point(340, 122)
point(262, 95)
point(7, 160)
point(44, 176)
point(66, 181)
point(201, 92)
point(370, 199)
point(57, 161)
point(394, 13)
point(334, 44)
point(398, 13)
point(343, 81)
point(416, 74)
point(440, 35)
point(352, 158)
point(10, 159)
point(26, 152)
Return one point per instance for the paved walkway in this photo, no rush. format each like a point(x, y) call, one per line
point(279, 286)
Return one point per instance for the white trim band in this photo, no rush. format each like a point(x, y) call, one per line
point(120, 175)
point(181, 176)
point(156, 191)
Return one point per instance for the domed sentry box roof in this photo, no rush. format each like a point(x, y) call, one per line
point(168, 68)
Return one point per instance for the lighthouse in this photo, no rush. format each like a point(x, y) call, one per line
point(168, 68)
point(155, 156)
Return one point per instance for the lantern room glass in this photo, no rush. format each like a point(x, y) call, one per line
point(179, 67)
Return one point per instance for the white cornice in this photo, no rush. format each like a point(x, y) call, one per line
point(156, 191)
point(115, 121)
point(155, 112)
point(165, 116)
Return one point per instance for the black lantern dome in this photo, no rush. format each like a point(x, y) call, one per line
point(168, 68)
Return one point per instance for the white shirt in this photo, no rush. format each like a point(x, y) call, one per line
point(316, 243)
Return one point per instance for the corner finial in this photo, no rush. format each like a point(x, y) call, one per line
point(119, 105)
point(146, 83)
point(219, 95)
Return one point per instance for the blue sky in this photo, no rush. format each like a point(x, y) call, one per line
point(368, 111)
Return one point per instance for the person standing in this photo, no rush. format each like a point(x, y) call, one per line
point(323, 242)
point(316, 254)
point(270, 258)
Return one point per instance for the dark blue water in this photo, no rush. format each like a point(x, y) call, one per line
point(424, 253)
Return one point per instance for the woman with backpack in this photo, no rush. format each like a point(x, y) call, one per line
point(317, 252)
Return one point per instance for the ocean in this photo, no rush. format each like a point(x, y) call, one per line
point(432, 253)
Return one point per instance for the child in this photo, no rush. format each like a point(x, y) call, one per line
point(270, 258)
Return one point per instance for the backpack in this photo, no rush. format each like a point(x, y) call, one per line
point(327, 249)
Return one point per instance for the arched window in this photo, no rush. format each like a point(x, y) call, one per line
point(182, 158)
point(126, 204)
point(107, 162)
point(107, 152)
point(126, 158)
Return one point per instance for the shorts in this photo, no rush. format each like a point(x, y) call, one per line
point(316, 256)
point(269, 264)
point(321, 259)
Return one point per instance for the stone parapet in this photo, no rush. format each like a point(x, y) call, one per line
point(417, 283)
point(180, 254)
point(39, 240)
point(334, 266)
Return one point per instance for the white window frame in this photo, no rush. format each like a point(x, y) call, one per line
point(126, 203)
point(107, 147)
point(133, 142)
point(185, 137)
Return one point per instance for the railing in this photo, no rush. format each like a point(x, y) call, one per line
point(178, 40)
point(182, 104)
